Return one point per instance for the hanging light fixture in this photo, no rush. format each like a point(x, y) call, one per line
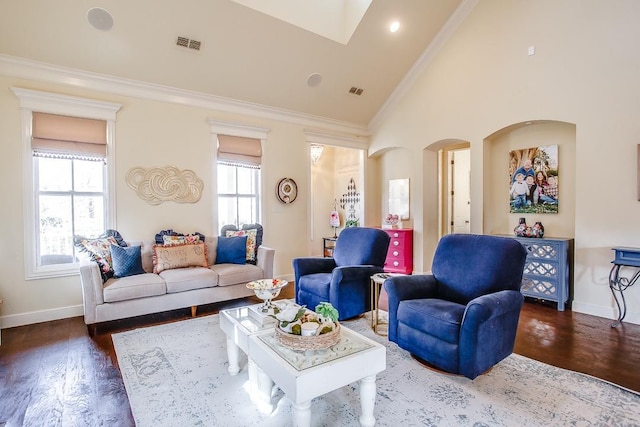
point(316, 152)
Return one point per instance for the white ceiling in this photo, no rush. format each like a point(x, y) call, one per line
point(246, 55)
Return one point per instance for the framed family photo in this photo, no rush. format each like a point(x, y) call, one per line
point(534, 180)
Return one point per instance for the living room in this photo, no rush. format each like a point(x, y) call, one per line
point(476, 83)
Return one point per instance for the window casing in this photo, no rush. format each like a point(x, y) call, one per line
point(47, 200)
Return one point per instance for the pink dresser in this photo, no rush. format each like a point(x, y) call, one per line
point(400, 253)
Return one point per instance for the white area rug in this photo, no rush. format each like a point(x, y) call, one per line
point(176, 375)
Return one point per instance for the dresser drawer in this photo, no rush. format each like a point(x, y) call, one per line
point(400, 253)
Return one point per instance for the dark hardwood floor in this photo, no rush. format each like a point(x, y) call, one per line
point(55, 374)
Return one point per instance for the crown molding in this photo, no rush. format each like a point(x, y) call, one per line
point(427, 57)
point(318, 136)
point(33, 70)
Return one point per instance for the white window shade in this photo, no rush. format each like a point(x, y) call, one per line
point(239, 151)
point(63, 135)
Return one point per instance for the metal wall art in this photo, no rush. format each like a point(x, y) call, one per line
point(167, 184)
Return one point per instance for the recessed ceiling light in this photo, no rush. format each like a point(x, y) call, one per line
point(395, 26)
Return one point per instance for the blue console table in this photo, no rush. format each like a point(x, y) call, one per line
point(624, 257)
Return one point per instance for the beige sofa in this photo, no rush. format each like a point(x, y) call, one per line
point(124, 297)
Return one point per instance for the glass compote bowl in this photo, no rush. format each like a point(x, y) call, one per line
point(267, 290)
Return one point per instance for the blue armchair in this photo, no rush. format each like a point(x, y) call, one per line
point(463, 317)
point(343, 280)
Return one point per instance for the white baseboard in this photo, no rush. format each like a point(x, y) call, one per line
point(40, 316)
point(602, 311)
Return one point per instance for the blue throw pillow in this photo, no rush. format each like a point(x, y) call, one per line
point(126, 261)
point(231, 250)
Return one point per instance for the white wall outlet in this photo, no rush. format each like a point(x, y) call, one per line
point(531, 50)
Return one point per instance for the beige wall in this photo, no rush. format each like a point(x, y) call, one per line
point(584, 73)
point(148, 134)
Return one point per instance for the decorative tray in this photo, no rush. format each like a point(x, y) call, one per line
point(301, 342)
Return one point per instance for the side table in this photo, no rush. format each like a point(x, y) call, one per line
point(377, 280)
point(624, 257)
point(328, 245)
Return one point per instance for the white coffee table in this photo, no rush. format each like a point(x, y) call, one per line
point(238, 324)
point(303, 376)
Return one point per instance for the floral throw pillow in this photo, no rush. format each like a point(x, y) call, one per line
point(251, 241)
point(251, 258)
point(180, 240)
point(194, 238)
point(99, 250)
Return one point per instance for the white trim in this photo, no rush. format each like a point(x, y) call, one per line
point(32, 317)
point(46, 102)
point(315, 136)
point(425, 60)
point(39, 71)
point(237, 129)
point(603, 311)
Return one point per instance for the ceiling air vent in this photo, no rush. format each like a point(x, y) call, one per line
point(188, 43)
point(356, 90)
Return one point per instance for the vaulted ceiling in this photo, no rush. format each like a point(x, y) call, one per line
point(254, 56)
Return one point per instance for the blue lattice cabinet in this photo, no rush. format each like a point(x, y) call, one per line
point(547, 270)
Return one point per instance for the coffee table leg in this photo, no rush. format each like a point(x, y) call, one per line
point(232, 354)
point(261, 387)
point(302, 414)
point(367, 400)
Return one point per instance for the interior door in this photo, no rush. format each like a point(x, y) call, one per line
point(460, 179)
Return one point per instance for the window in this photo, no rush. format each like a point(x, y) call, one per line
point(70, 198)
point(238, 194)
point(68, 177)
point(238, 169)
point(239, 161)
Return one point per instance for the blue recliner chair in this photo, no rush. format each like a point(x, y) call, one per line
point(343, 280)
point(463, 317)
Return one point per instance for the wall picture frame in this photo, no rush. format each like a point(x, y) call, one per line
point(534, 180)
point(399, 198)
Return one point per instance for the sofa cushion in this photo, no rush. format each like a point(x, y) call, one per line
point(232, 250)
point(127, 261)
point(185, 279)
point(134, 287)
point(231, 274)
point(180, 240)
point(251, 242)
point(226, 229)
point(179, 256)
point(159, 239)
point(99, 250)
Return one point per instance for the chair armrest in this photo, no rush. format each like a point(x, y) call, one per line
point(496, 304)
point(312, 265)
point(92, 287)
point(411, 287)
point(354, 272)
point(488, 330)
point(401, 288)
point(264, 260)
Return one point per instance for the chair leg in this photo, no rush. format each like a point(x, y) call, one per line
point(193, 310)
